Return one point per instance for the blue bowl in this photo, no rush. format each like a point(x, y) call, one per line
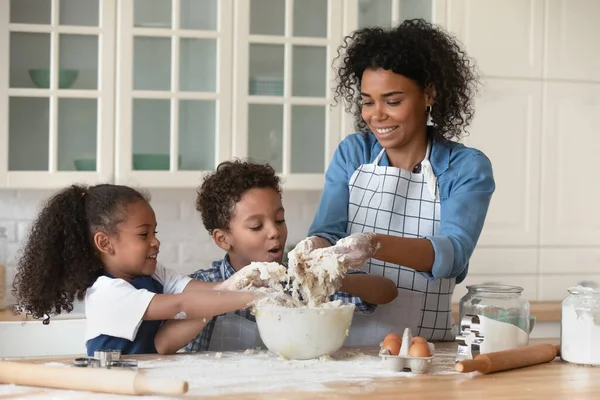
point(41, 78)
point(152, 162)
point(86, 164)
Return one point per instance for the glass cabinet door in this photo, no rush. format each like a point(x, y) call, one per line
point(174, 74)
point(387, 13)
point(57, 92)
point(282, 96)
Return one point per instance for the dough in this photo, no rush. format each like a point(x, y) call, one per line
point(311, 279)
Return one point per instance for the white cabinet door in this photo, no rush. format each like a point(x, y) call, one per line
point(505, 37)
point(282, 115)
point(56, 92)
point(173, 100)
point(572, 50)
point(570, 212)
point(506, 128)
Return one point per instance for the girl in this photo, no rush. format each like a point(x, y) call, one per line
point(100, 243)
point(415, 198)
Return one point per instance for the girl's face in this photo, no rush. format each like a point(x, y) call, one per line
point(393, 106)
point(133, 250)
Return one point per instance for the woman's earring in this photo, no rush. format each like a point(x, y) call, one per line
point(429, 119)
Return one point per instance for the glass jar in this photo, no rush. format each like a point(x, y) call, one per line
point(502, 303)
point(580, 326)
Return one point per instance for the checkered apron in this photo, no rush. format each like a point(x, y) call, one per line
point(233, 332)
point(393, 201)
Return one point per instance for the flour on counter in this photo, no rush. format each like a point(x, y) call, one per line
point(236, 373)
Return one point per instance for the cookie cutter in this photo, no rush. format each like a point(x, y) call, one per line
point(108, 359)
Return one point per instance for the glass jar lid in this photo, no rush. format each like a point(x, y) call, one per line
point(494, 289)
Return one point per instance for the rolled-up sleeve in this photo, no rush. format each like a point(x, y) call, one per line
point(462, 217)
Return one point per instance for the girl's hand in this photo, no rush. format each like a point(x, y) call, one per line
point(255, 275)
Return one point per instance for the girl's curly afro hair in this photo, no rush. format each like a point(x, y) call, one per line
point(59, 260)
point(421, 52)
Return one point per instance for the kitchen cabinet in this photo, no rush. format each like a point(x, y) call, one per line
point(155, 93)
point(535, 121)
point(56, 91)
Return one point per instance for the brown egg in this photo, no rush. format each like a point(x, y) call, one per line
point(419, 350)
point(393, 336)
point(418, 339)
point(392, 345)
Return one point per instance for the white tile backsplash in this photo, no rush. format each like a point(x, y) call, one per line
point(185, 244)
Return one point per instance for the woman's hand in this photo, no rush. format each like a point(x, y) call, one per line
point(354, 250)
point(304, 248)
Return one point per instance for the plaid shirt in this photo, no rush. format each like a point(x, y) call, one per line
point(213, 274)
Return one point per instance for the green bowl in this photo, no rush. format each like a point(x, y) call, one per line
point(152, 162)
point(86, 164)
point(41, 78)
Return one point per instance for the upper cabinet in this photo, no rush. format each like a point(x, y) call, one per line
point(157, 92)
point(505, 37)
point(56, 92)
point(173, 99)
point(282, 97)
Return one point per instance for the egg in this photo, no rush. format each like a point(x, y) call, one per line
point(419, 350)
point(418, 339)
point(392, 345)
point(394, 336)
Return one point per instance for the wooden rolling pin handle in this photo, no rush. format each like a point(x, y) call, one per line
point(509, 359)
point(472, 365)
point(149, 386)
point(89, 379)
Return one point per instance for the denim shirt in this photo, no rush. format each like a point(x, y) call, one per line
point(465, 183)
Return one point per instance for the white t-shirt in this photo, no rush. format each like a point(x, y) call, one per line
point(114, 307)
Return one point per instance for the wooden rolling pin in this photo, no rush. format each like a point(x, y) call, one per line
point(90, 379)
point(509, 359)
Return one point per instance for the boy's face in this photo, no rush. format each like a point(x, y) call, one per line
point(257, 230)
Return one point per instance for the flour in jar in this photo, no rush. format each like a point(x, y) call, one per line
point(580, 327)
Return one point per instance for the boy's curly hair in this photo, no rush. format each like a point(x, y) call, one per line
point(59, 260)
point(421, 52)
point(222, 189)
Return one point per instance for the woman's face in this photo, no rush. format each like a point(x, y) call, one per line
point(393, 106)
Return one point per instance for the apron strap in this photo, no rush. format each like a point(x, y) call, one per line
point(428, 174)
point(379, 157)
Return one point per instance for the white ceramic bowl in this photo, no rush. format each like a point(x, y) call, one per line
point(304, 333)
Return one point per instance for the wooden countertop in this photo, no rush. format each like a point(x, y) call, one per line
point(555, 380)
point(544, 311)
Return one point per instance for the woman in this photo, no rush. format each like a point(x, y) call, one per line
point(422, 196)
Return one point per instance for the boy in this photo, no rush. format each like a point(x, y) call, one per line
point(241, 208)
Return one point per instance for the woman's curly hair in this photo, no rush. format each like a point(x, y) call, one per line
point(422, 52)
point(224, 188)
point(59, 260)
